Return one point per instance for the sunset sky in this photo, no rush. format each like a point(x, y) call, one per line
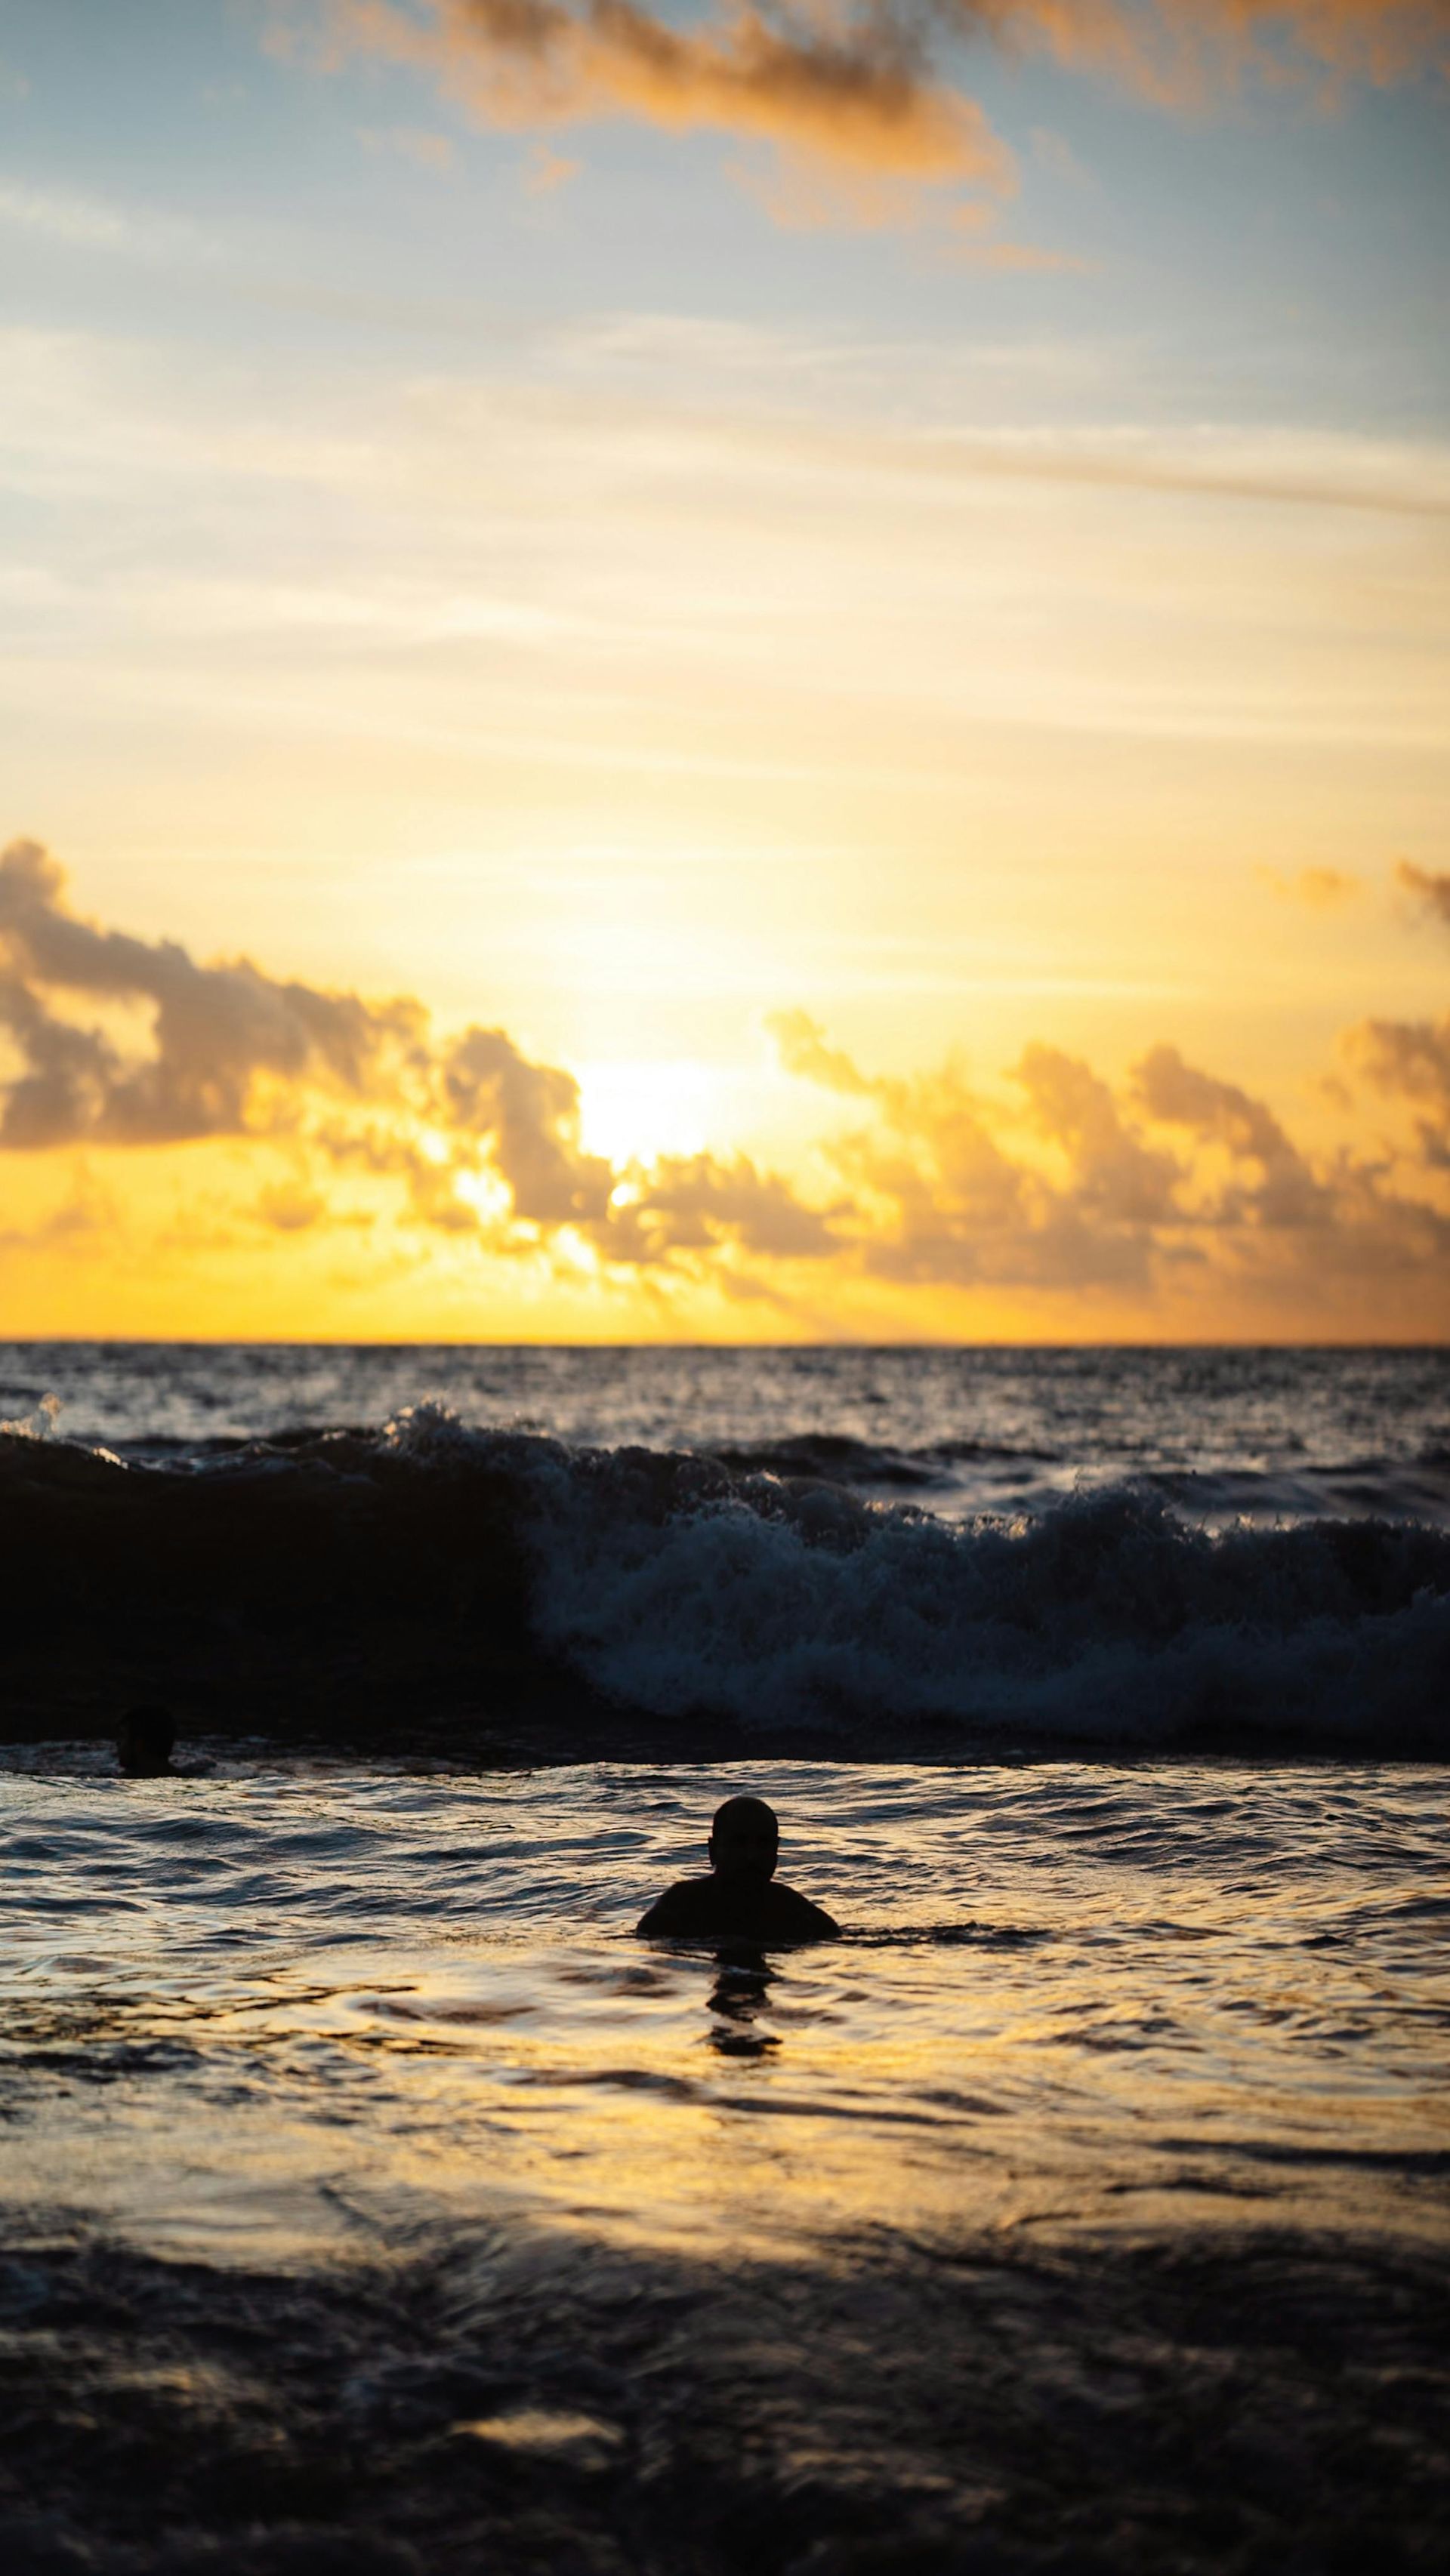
point(725, 673)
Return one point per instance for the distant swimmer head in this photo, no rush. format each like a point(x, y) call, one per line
point(745, 1841)
point(144, 1742)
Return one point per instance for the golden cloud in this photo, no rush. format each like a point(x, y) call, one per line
point(483, 1140)
point(857, 90)
point(852, 86)
point(943, 1194)
point(339, 1113)
point(1183, 52)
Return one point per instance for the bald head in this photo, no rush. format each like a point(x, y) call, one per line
point(745, 1841)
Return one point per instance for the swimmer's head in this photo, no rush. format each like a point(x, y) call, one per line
point(745, 1840)
point(143, 1742)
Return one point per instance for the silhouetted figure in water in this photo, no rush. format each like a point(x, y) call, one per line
point(740, 1896)
point(144, 1742)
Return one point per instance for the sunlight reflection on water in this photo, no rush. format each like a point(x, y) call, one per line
point(285, 2004)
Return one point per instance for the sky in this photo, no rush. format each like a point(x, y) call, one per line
point(726, 672)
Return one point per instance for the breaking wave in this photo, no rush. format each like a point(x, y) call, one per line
point(757, 1594)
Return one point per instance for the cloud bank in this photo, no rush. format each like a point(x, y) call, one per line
point(1078, 1188)
point(218, 1033)
point(361, 1114)
point(482, 1140)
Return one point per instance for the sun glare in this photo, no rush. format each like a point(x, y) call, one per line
point(637, 1109)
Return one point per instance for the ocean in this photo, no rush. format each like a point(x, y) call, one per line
point(376, 2200)
point(682, 1552)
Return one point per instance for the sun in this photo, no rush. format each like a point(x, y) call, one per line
point(636, 1109)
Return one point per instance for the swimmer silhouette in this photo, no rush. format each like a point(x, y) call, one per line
point(143, 1742)
point(741, 1895)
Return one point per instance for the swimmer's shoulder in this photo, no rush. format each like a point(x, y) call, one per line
point(700, 1905)
point(799, 1918)
point(691, 1905)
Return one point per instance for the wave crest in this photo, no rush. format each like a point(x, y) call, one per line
point(434, 1569)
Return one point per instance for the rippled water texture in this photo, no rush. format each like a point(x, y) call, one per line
point(376, 2204)
point(1218, 1432)
point(273, 2006)
point(889, 1554)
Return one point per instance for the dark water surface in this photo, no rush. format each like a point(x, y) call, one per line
point(706, 1548)
point(302, 1995)
point(372, 2191)
point(1219, 1432)
point(375, 2204)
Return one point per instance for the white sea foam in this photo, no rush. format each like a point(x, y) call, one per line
point(1105, 1619)
point(767, 1583)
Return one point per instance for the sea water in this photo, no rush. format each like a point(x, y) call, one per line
point(1109, 1548)
point(1065, 1986)
point(1220, 1433)
point(370, 2188)
point(272, 2006)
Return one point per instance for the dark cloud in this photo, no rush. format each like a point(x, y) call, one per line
point(291, 1207)
point(1429, 887)
point(1408, 1057)
point(528, 1116)
point(217, 1032)
point(1409, 1060)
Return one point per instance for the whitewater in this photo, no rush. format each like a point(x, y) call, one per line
point(873, 1553)
point(375, 2202)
